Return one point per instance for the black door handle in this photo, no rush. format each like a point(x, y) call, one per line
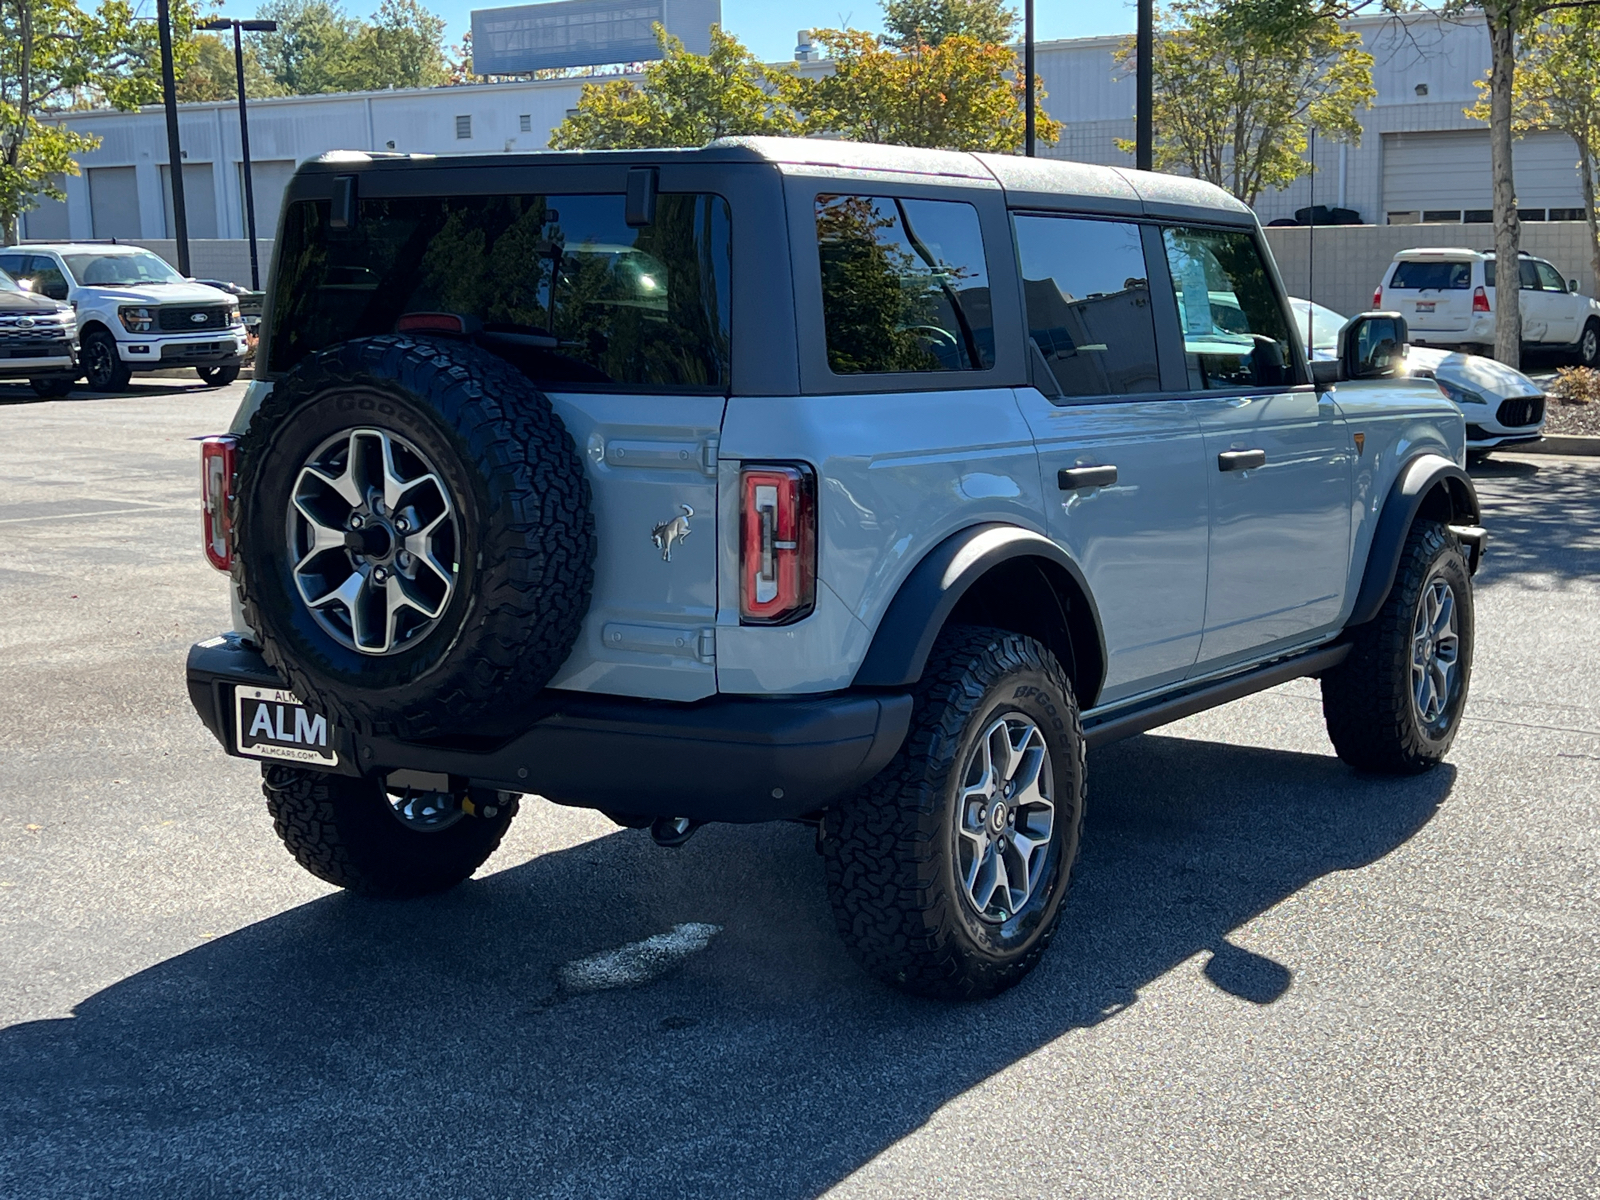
point(1070, 479)
point(1241, 460)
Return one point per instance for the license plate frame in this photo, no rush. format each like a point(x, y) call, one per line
point(274, 723)
point(1426, 306)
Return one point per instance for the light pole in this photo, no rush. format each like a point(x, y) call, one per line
point(169, 98)
point(239, 28)
point(1144, 122)
point(1027, 78)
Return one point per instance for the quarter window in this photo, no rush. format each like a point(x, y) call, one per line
point(904, 285)
point(1235, 333)
point(1088, 297)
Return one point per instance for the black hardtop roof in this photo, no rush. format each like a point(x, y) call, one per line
point(1028, 182)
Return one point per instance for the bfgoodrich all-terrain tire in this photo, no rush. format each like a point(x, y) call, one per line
point(1395, 703)
point(415, 548)
point(357, 835)
point(948, 870)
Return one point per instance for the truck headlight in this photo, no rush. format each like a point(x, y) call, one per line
point(233, 316)
point(137, 319)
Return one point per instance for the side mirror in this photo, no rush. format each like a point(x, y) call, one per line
point(1572, 286)
point(1374, 345)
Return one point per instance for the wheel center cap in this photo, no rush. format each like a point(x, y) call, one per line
point(997, 816)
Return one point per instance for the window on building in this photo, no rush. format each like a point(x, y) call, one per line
point(571, 295)
point(1478, 216)
point(525, 123)
point(1530, 214)
point(1441, 214)
point(463, 127)
point(1235, 331)
point(904, 285)
point(1402, 218)
point(1567, 214)
point(1088, 296)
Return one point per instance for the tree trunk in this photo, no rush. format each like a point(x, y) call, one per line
point(1586, 173)
point(1501, 19)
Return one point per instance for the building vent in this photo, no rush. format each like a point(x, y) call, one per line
point(525, 123)
point(463, 127)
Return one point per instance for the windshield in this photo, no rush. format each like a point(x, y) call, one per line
point(1324, 325)
point(111, 270)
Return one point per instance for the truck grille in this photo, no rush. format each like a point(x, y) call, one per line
point(182, 320)
point(1525, 410)
point(42, 337)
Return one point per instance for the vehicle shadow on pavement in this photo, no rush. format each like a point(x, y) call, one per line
point(1543, 518)
point(354, 1048)
point(14, 393)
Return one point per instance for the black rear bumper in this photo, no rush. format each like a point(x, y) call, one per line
point(727, 758)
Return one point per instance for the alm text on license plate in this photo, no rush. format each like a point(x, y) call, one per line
point(272, 723)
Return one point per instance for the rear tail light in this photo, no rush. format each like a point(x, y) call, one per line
point(1377, 298)
point(777, 543)
point(1480, 301)
point(431, 322)
point(218, 466)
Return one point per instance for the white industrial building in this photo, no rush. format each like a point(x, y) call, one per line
point(1420, 159)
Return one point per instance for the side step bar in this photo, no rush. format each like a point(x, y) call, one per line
point(1101, 730)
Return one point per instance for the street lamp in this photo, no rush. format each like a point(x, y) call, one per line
point(239, 28)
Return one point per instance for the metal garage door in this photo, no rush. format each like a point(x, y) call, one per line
point(1448, 172)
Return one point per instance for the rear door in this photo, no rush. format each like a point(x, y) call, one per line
point(1122, 462)
point(1277, 454)
point(1433, 294)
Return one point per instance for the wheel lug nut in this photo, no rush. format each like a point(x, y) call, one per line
point(403, 525)
point(380, 574)
point(404, 559)
point(355, 520)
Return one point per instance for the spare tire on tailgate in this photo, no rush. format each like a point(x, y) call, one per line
point(414, 543)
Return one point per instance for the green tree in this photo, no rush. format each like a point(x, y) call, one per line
point(1237, 84)
point(684, 99)
point(402, 47)
point(312, 48)
point(1556, 89)
point(56, 55)
point(212, 75)
point(960, 94)
point(929, 22)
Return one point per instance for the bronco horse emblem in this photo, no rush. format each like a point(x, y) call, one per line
point(669, 533)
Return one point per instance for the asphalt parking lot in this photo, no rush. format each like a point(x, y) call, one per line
point(1274, 977)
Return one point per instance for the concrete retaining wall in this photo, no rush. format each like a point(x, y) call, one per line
point(1350, 259)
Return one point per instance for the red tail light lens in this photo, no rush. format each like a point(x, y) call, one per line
point(777, 543)
point(431, 323)
point(1377, 298)
point(218, 466)
point(1480, 301)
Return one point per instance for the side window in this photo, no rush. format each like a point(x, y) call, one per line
point(1088, 296)
point(1528, 275)
point(904, 285)
point(1235, 333)
point(12, 265)
point(1549, 278)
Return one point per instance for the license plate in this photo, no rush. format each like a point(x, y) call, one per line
point(271, 723)
point(1426, 305)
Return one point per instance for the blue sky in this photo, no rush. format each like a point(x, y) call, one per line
point(768, 26)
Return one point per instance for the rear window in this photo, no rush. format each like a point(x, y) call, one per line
point(904, 285)
point(1434, 274)
point(561, 286)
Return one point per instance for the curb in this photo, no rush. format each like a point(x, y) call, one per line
point(1579, 445)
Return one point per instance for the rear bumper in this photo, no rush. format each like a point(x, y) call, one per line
point(738, 759)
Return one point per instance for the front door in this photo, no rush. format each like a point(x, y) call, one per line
point(1277, 456)
point(1561, 306)
point(1124, 479)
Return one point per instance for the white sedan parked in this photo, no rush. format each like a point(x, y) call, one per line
point(1502, 406)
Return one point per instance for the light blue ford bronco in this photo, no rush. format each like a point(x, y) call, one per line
point(792, 480)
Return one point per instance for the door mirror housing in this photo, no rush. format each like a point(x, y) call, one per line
point(1374, 345)
point(1572, 286)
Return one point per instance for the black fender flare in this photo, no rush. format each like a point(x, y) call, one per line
point(929, 594)
point(1421, 477)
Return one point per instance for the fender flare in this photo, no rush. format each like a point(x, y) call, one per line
point(919, 610)
point(1419, 478)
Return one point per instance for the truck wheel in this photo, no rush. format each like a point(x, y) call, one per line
point(357, 834)
point(1589, 344)
point(948, 870)
point(51, 389)
point(415, 546)
point(103, 368)
point(1394, 704)
point(218, 376)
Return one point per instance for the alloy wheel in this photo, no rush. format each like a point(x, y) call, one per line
point(374, 537)
point(1435, 651)
point(1007, 818)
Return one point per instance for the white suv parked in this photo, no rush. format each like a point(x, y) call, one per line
point(1447, 296)
point(135, 312)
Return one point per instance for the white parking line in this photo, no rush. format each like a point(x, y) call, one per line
point(637, 962)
